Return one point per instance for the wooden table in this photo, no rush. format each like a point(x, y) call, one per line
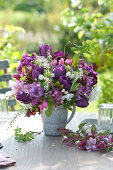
point(48, 153)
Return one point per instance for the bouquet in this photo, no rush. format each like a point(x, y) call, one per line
point(51, 79)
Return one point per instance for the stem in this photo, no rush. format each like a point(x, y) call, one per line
point(36, 132)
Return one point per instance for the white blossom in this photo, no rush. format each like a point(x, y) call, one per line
point(95, 93)
point(68, 74)
point(9, 45)
point(46, 87)
point(52, 75)
point(79, 74)
point(66, 92)
point(41, 77)
point(69, 96)
point(100, 41)
point(63, 97)
point(72, 76)
point(72, 95)
point(63, 90)
point(75, 3)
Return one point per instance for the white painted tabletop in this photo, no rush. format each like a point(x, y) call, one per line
point(48, 153)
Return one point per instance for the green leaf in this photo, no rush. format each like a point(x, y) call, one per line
point(74, 87)
point(75, 60)
point(75, 69)
point(49, 110)
point(107, 132)
point(80, 34)
point(61, 86)
point(93, 129)
point(57, 83)
point(70, 108)
point(109, 149)
point(81, 125)
point(83, 131)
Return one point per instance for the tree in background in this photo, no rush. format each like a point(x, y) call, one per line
point(8, 41)
point(91, 21)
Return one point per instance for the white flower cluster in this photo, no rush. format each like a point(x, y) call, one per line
point(42, 61)
point(46, 87)
point(70, 75)
point(52, 75)
point(41, 77)
point(95, 93)
point(79, 74)
point(68, 96)
point(25, 108)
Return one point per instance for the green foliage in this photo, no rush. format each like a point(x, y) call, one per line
point(8, 44)
point(107, 91)
point(92, 21)
point(25, 5)
point(81, 125)
point(49, 110)
point(107, 132)
point(28, 136)
point(93, 129)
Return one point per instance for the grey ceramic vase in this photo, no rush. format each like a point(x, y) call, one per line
point(56, 120)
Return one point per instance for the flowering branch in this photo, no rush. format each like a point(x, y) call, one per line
point(88, 140)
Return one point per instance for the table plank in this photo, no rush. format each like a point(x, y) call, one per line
point(48, 153)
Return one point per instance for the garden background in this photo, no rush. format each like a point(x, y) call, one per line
point(26, 24)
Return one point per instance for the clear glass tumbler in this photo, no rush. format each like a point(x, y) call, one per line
point(3, 108)
point(105, 117)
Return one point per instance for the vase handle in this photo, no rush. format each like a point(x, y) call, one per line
point(72, 114)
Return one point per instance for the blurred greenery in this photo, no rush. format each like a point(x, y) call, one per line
point(91, 21)
point(26, 24)
point(8, 42)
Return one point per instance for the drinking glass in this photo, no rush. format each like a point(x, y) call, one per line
point(3, 108)
point(105, 117)
point(3, 111)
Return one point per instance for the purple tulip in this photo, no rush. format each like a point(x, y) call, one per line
point(44, 49)
point(35, 74)
point(24, 98)
point(37, 70)
point(66, 82)
point(40, 69)
point(59, 71)
point(83, 102)
point(58, 55)
point(37, 92)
